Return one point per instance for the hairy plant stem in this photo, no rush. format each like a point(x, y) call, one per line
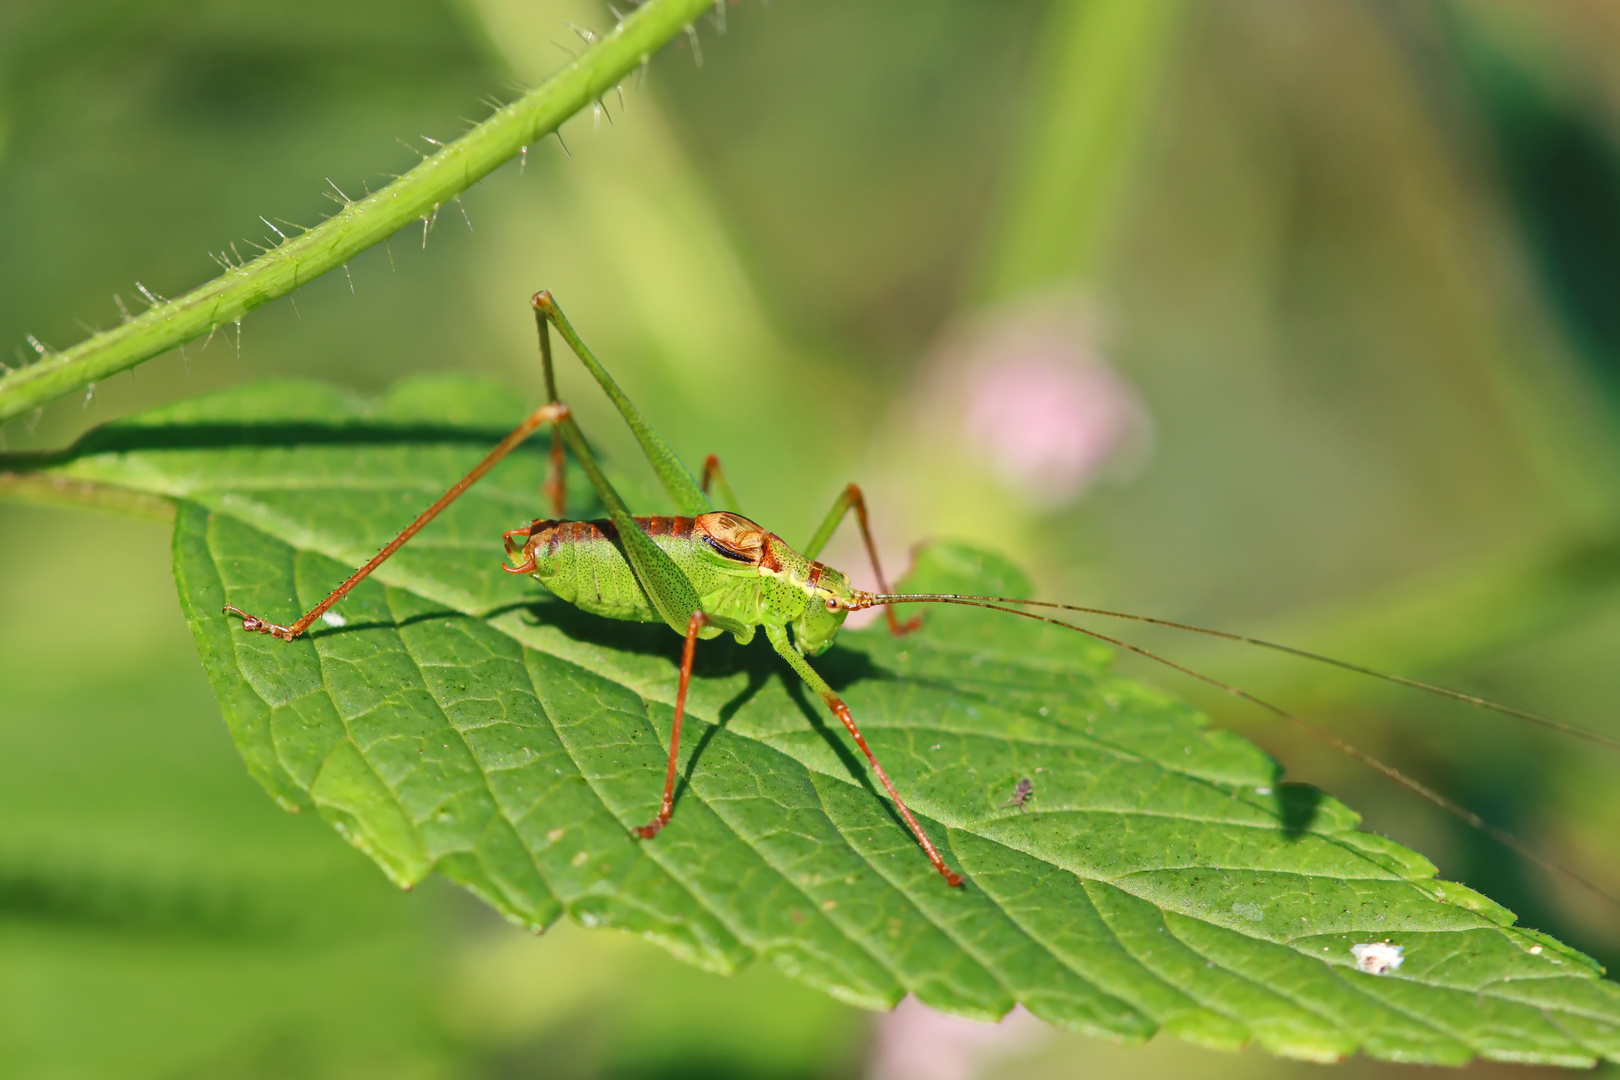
point(416, 196)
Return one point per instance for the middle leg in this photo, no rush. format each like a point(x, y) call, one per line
point(693, 625)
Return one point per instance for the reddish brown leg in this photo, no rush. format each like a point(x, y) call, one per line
point(715, 475)
point(693, 625)
point(556, 485)
point(896, 627)
point(799, 664)
point(546, 414)
point(836, 704)
point(853, 499)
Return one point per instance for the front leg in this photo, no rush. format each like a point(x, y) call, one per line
point(852, 499)
point(779, 640)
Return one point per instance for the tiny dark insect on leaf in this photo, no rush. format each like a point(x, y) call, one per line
point(1022, 793)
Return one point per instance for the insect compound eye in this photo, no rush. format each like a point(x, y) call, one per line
point(833, 604)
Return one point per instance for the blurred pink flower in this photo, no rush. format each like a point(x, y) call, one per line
point(916, 1043)
point(1048, 425)
point(1043, 406)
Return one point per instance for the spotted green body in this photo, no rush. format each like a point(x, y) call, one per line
point(743, 576)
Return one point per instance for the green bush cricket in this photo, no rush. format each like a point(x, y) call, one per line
point(705, 572)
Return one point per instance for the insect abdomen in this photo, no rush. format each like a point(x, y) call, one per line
point(582, 563)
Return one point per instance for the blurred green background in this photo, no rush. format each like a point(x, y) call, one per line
point(1332, 291)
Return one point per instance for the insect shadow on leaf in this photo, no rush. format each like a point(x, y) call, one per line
point(719, 659)
point(846, 757)
point(434, 615)
point(1297, 807)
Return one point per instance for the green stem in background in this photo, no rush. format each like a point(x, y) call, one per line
point(413, 197)
point(1101, 65)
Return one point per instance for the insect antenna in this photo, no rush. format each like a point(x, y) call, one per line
point(1400, 680)
point(1417, 787)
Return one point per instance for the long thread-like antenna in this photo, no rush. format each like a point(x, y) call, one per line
point(1495, 832)
point(1224, 635)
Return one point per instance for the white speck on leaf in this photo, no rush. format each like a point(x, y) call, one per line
point(1377, 957)
point(1262, 791)
point(332, 618)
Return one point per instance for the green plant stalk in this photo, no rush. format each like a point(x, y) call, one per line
point(1101, 66)
point(360, 224)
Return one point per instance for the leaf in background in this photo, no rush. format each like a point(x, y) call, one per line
point(462, 721)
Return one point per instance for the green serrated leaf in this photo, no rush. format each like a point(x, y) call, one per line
point(462, 721)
